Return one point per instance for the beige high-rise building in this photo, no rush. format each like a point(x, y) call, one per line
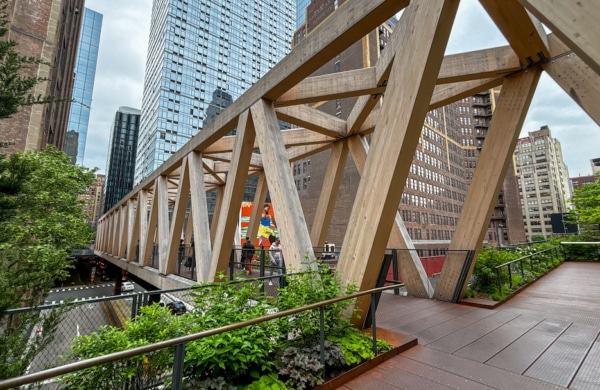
point(94, 200)
point(595, 162)
point(543, 181)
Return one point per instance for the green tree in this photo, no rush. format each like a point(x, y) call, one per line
point(41, 222)
point(15, 87)
point(587, 203)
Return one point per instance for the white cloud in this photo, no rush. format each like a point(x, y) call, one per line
point(122, 58)
point(120, 71)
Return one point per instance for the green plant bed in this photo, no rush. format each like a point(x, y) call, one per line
point(527, 265)
point(282, 353)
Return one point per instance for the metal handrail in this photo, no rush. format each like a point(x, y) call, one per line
point(520, 261)
point(72, 367)
point(524, 257)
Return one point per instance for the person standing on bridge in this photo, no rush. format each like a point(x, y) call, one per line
point(276, 253)
point(247, 255)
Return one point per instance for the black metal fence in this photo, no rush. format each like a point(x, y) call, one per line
point(526, 267)
point(149, 366)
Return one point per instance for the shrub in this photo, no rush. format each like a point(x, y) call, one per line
point(312, 287)
point(356, 346)
point(301, 368)
point(270, 381)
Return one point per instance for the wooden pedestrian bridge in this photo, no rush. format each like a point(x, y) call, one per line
point(412, 76)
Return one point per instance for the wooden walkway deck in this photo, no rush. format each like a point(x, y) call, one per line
point(546, 337)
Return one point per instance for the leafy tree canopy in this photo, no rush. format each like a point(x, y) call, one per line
point(587, 202)
point(41, 222)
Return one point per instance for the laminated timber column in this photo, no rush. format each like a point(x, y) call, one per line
point(259, 199)
point(199, 218)
point(143, 229)
point(329, 193)
point(234, 193)
point(133, 228)
point(291, 224)
point(411, 268)
point(123, 230)
point(177, 219)
point(410, 86)
point(162, 232)
point(496, 155)
point(220, 190)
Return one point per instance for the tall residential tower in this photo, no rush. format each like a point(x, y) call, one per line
point(121, 156)
point(200, 49)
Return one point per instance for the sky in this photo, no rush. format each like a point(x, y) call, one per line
point(122, 58)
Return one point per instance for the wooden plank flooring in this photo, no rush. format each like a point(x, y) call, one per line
point(547, 337)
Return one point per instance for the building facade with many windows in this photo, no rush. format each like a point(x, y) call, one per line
point(48, 30)
point(443, 164)
point(85, 74)
point(200, 49)
point(121, 155)
point(543, 181)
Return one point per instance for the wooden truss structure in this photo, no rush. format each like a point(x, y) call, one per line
point(415, 77)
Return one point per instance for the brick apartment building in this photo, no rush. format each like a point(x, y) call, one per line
point(48, 30)
point(443, 165)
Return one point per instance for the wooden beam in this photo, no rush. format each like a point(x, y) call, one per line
point(329, 193)
point(575, 22)
point(496, 155)
point(448, 93)
point(220, 190)
point(291, 137)
point(209, 165)
point(299, 152)
point(291, 225)
point(255, 159)
point(412, 271)
point(365, 104)
point(150, 231)
point(343, 28)
point(361, 111)
point(234, 192)
point(332, 86)
point(479, 64)
point(313, 119)
point(424, 35)
point(259, 199)
point(163, 222)
point(519, 30)
point(123, 225)
point(199, 214)
point(143, 224)
point(133, 228)
point(575, 77)
point(177, 219)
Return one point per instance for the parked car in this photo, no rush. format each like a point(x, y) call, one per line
point(127, 286)
point(177, 307)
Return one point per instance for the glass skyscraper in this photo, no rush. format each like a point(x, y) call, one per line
point(121, 156)
point(199, 49)
point(301, 6)
point(85, 73)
